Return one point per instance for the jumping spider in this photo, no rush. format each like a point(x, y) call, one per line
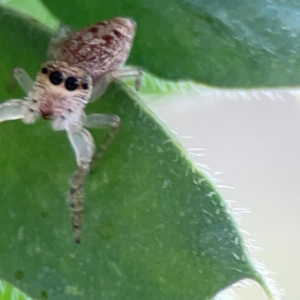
point(80, 67)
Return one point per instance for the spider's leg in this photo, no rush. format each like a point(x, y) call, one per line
point(23, 79)
point(103, 121)
point(61, 34)
point(18, 109)
point(83, 145)
point(13, 110)
point(105, 80)
point(28, 109)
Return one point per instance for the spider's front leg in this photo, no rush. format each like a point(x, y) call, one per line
point(19, 108)
point(12, 110)
point(23, 79)
point(86, 157)
point(84, 147)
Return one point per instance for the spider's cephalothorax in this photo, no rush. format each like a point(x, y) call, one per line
point(60, 93)
point(81, 65)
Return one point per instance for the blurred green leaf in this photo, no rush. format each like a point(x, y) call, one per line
point(229, 43)
point(155, 227)
point(9, 292)
point(35, 9)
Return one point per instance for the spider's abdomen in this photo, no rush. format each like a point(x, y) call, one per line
point(100, 48)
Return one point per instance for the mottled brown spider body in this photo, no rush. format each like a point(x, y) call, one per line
point(100, 48)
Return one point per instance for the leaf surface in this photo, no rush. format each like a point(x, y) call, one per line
point(155, 227)
point(221, 43)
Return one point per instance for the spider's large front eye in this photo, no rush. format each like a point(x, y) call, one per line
point(71, 83)
point(56, 78)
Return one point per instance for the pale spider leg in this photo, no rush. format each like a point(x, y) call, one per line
point(103, 121)
point(60, 35)
point(26, 109)
point(100, 86)
point(81, 142)
point(23, 79)
point(84, 147)
point(12, 110)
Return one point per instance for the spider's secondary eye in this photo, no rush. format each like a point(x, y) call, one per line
point(71, 83)
point(85, 86)
point(44, 70)
point(56, 78)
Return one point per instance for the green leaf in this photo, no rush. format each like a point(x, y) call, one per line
point(35, 9)
point(8, 292)
point(155, 227)
point(228, 43)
